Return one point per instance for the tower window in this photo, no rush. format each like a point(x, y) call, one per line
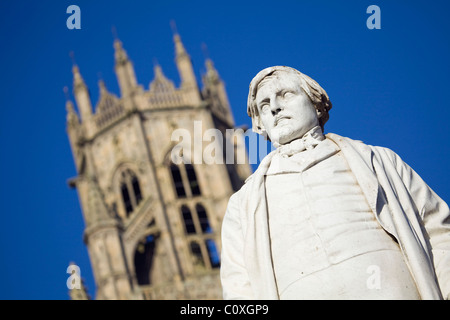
point(177, 181)
point(126, 198)
point(136, 189)
point(213, 254)
point(203, 219)
point(130, 191)
point(197, 253)
point(185, 180)
point(197, 224)
point(192, 177)
point(144, 259)
point(188, 222)
point(202, 246)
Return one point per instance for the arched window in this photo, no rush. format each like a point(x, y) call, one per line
point(213, 253)
point(203, 219)
point(188, 221)
point(185, 180)
point(130, 191)
point(197, 223)
point(177, 181)
point(126, 198)
point(143, 259)
point(136, 189)
point(192, 178)
point(197, 254)
point(199, 232)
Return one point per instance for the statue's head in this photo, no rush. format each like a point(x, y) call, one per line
point(284, 104)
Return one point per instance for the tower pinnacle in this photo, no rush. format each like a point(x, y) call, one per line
point(184, 65)
point(72, 117)
point(81, 93)
point(124, 70)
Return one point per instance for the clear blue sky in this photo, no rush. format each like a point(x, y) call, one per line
point(388, 87)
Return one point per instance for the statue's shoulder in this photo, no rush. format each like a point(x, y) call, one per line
point(338, 138)
point(249, 178)
point(238, 194)
point(382, 153)
point(262, 168)
point(343, 142)
point(238, 198)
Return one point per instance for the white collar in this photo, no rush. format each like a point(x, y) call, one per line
point(307, 142)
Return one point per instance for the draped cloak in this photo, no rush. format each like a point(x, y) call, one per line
point(401, 201)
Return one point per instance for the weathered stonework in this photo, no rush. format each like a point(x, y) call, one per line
point(137, 235)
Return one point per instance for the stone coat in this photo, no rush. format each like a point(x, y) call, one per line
point(401, 201)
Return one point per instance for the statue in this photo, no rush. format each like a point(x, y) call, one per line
point(325, 216)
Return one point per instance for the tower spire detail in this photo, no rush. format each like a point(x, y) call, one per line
point(124, 69)
point(72, 117)
point(81, 93)
point(185, 69)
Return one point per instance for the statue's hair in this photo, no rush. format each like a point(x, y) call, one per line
point(313, 90)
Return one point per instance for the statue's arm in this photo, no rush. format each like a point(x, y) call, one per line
point(435, 215)
point(234, 276)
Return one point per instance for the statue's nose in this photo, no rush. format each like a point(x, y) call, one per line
point(275, 106)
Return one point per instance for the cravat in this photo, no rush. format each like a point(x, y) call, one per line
point(307, 142)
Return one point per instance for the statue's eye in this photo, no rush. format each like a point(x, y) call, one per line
point(265, 108)
point(288, 94)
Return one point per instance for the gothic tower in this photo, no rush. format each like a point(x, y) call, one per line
point(152, 224)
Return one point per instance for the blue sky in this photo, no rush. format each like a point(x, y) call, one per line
point(388, 87)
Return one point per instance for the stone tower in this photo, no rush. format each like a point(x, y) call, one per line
point(152, 223)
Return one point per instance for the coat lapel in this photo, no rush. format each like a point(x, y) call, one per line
point(360, 163)
point(257, 250)
point(360, 160)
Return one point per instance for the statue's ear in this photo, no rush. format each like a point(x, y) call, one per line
point(319, 113)
point(262, 131)
point(257, 124)
point(264, 134)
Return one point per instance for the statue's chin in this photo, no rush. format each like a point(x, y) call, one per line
point(287, 133)
point(283, 136)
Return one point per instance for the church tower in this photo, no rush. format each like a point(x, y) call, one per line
point(152, 224)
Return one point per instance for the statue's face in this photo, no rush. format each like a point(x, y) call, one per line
point(285, 110)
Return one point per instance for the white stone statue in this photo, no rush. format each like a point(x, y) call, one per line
point(327, 217)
